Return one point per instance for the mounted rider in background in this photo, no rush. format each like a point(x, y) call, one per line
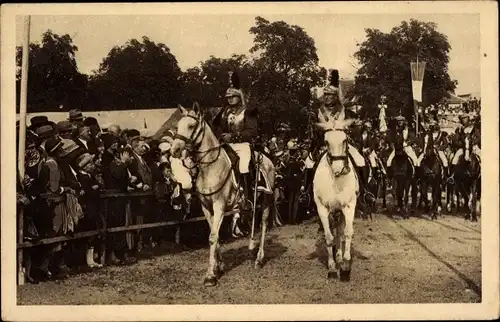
point(466, 128)
point(401, 129)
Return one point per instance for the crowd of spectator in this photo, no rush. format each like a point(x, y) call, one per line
point(68, 168)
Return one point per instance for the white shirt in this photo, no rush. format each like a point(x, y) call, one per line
point(84, 143)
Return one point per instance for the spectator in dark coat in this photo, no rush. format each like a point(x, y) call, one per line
point(91, 204)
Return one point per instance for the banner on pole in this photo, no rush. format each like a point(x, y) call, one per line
point(417, 79)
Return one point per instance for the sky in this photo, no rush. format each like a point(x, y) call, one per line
point(193, 38)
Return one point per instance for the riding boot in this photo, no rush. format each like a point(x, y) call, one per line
point(247, 187)
point(367, 195)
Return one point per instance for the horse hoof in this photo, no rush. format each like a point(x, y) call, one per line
point(332, 275)
point(345, 276)
point(219, 272)
point(257, 265)
point(210, 281)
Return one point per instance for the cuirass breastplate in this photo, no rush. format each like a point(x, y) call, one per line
point(236, 120)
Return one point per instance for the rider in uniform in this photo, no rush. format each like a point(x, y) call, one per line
point(467, 127)
point(236, 124)
point(331, 108)
point(439, 143)
point(408, 139)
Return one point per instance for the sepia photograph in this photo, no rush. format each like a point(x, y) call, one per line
point(174, 156)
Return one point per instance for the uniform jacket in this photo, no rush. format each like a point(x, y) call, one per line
point(396, 133)
point(247, 131)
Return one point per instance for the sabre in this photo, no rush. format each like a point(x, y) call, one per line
point(255, 195)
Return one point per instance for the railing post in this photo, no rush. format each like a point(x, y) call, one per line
point(128, 222)
point(177, 234)
point(20, 238)
point(105, 229)
point(139, 220)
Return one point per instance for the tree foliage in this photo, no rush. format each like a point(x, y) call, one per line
point(137, 75)
point(208, 82)
point(385, 59)
point(285, 69)
point(53, 76)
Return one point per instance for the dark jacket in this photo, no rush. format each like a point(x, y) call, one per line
point(249, 132)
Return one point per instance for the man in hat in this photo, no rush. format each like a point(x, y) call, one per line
point(401, 129)
point(95, 133)
point(236, 125)
point(76, 116)
point(331, 108)
point(65, 129)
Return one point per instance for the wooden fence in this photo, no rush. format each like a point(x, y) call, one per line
point(128, 228)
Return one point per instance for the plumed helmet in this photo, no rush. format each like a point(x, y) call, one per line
point(235, 87)
point(333, 82)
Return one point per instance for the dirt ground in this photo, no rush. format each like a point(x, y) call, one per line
point(394, 261)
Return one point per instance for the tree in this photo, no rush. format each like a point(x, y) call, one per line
point(138, 75)
point(208, 83)
point(385, 59)
point(53, 78)
point(285, 69)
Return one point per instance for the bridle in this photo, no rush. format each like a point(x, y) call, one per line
point(193, 143)
point(343, 157)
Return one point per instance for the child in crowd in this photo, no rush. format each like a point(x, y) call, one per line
point(90, 202)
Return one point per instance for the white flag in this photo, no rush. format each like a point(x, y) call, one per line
point(417, 79)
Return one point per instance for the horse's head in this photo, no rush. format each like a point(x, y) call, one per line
point(336, 138)
point(190, 130)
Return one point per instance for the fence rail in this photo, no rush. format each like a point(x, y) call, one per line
point(128, 228)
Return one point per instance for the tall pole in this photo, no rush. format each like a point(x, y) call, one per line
point(415, 107)
point(24, 95)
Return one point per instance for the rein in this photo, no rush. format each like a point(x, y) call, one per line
point(193, 143)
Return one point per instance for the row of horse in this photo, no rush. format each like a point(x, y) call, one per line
point(425, 184)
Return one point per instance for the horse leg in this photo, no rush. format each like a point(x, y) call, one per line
point(211, 278)
point(263, 227)
point(414, 193)
point(324, 215)
point(449, 197)
point(465, 195)
point(345, 271)
point(384, 193)
point(406, 195)
point(473, 202)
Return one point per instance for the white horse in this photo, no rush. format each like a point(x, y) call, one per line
point(336, 189)
point(216, 186)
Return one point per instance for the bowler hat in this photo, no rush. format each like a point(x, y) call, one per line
point(75, 115)
point(39, 120)
point(90, 121)
point(45, 131)
point(64, 126)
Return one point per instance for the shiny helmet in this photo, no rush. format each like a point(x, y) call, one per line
point(235, 87)
point(332, 86)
